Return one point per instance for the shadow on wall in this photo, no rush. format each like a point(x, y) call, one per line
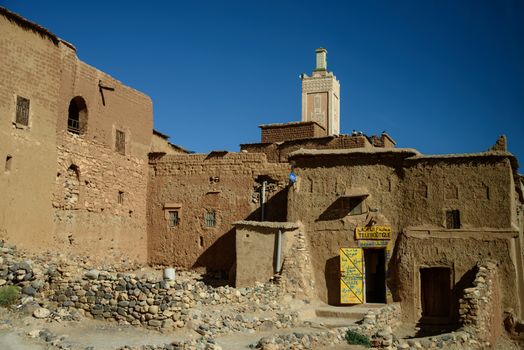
point(336, 210)
point(275, 208)
point(219, 259)
point(332, 275)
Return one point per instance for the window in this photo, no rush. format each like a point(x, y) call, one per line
point(422, 190)
point(451, 191)
point(120, 197)
point(352, 205)
point(22, 111)
point(355, 205)
point(173, 218)
point(210, 218)
point(77, 117)
point(8, 161)
point(452, 219)
point(120, 142)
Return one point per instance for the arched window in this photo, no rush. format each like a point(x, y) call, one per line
point(77, 117)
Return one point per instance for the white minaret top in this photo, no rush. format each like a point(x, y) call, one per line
point(320, 96)
point(321, 59)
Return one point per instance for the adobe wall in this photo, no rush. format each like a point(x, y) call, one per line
point(278, 152)
point(227, 183)
point(30, 67)
point(101, 209)
point(480, 187)
point(461, 252)
point(291, 131)
point(257, 249)
point(321, 181)
point(389, 177)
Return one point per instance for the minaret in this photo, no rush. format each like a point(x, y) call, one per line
point(320, 96)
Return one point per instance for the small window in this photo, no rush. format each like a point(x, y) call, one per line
point(201, 242)
point(22, 111)
point(452, 219)
point(120, 197)
point(422, 190)
point(8, 161)
point(210, 218)
point(173, 218)
point(120, 142)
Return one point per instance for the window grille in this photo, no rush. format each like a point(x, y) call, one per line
point(22, 111)
point(453, 219)
point(73, 126)
point(120, 142)
point(210, 219)
point(173, 218)
point(353, 205)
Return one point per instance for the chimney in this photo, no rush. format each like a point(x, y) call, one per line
point(321, 59)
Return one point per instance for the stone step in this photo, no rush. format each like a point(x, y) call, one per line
point(330, 322)
point(350, 312)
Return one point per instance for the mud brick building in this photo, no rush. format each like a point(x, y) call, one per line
point(84, 171)
point(74, 141)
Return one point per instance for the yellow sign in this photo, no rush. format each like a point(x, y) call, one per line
point(351, 276)
point(373, 232)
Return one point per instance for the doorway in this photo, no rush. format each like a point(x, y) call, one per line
point(375, 267)
point(435, 290)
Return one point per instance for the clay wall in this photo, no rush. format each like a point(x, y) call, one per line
point(160, 144)
point(100, 192)
point(389, 179)
point(228, 184)
point(291, 131)
point(30, 68)
point(256, 249)
point(460, 252)
point(481, 188)
point(314, 201)
point(279, 152)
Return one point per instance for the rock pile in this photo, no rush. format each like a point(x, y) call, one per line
point(21, 273)
point(299, 340)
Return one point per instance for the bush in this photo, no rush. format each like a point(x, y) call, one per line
point(357, 339)
point(8, 295)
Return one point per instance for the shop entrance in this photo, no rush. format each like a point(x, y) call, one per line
point(375, 267)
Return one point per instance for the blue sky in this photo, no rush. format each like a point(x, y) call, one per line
point(442, 76)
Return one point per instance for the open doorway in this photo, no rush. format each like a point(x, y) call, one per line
point(375, 267)
point(435, 290)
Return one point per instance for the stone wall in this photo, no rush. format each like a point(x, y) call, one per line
point(297, 272)
point(480, 308)
point(226, 184)
point(165, 304)
point(291, 131)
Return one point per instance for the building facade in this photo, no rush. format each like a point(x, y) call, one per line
point(84, 171)
point(75, 144)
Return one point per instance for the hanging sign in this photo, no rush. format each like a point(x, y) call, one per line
point(373, 232)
